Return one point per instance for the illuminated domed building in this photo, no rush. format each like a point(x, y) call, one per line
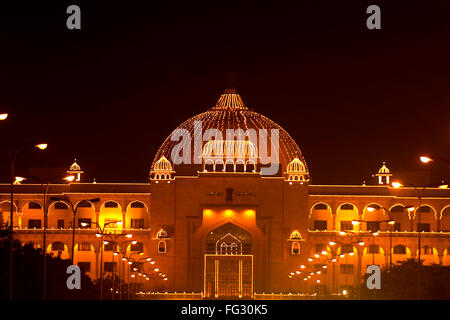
point(230, 211)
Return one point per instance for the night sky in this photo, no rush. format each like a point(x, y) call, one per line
point(110, 93)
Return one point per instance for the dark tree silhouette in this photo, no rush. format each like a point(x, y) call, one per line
point(28, 275)
point(411, 280)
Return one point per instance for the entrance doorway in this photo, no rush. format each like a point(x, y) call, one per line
point(228, 264)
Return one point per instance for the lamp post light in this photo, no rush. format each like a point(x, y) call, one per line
point(428, 160)
point(114, 241)
point(45, 187)
point(139, 267)
point(375, 233)
point(360, 243)
point(390, 222)
point(419, 190)
point(130, 260)
point(307, 275)
point(3, 116)
point(120, 251)
point(323, 264)
point(100, 235)
point(12, 160)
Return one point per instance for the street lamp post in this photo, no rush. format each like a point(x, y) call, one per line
point(74, 211)
point(390, 222)
point(360, 243)
point(419, 191)
point(45, 187)
point(12, 160)
point(137, 264)
point(323, 264)
point(114, 241)
point(100, 235)
point(121, 259)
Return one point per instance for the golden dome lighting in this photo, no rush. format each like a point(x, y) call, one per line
point(230, 112)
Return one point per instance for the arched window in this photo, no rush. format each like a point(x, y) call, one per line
point(400, 249)
point(110, 246)
point(295, 248)
point(398, 208)
point(250, 167)
point(320, 206)
point(219, 165)
point(84, 204)
point(57, 246)
point(373, 249)
point(240, 167)
point(61, 205)
point(347, 206)
point(209, 167)
point(162, 247)
point(427, 250)
point(137, 204)
point(111, 204)
point(424, 209)
point(84, 246)
point(229, 167)
point(374, 206)
point(34, 205)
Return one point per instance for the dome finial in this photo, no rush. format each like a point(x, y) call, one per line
point(230, 81)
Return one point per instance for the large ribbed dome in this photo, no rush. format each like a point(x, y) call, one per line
point(230, 112)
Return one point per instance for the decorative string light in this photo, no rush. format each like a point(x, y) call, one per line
point(231, 113)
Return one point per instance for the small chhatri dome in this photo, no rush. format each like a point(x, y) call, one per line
point(384, 169)
point(385, 173)
point(75, 166)
point(296, 166)
point(75, 170)
point(162, 169)
point(295, 235)
point(296, 171)
point(162, 165)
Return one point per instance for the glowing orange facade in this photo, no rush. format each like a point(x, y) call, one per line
point(220, 227)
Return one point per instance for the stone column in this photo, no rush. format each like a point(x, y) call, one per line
point(124, 220)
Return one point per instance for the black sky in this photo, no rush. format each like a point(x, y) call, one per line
point(110, 93)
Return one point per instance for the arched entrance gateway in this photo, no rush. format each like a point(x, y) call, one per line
point(228, 265)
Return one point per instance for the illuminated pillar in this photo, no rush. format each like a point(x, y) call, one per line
point(124, 219)
point(20, 219)
point(216, 278)
point(97, 262)
point(240, 278)
point(97, 213)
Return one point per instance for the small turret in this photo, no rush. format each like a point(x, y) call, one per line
point(296, 171)
point(75, 170)
point(383, 174)
point(162, 170)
